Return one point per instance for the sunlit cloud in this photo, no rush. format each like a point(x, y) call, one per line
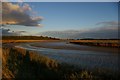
point(19, 15)
point(26, 7)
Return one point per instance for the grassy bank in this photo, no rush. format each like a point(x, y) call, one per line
point(101, 43)
point(22, 41)
point(20, 64)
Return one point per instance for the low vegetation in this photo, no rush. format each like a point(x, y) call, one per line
point(102, 43)
point(19, 39)
point(20, 64)
point(28, 38)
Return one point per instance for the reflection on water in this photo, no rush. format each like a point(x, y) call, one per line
point(82, 58)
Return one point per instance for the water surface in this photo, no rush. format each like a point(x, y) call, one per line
point(77, 55)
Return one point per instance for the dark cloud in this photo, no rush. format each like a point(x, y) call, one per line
point(8, 32)
point(20, 15)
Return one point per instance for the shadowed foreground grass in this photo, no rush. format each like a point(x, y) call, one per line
point(20, 64)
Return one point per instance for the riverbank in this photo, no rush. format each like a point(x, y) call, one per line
point(26, 41)
point(23, 64)
point(100, 43)
point(69, 46)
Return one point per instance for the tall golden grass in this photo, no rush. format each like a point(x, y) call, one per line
point(20, 64)
point(19, 41)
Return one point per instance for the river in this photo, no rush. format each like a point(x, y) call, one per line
point(88, 57)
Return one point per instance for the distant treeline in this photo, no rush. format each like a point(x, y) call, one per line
point(28, 38)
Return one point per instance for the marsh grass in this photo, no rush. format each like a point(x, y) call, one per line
point(20, 64)
point(100, 43)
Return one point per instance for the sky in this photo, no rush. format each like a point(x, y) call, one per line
point(36, 17)
point(64, 16)
point(60, 0)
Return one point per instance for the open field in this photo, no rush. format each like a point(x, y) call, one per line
point(21, 41)
point(103, 43)
point(23, 64)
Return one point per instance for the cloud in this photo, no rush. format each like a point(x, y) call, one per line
point(108, 25)
point(20, 15)
point(106, 30)
point(8, 32)
point(26, 7)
